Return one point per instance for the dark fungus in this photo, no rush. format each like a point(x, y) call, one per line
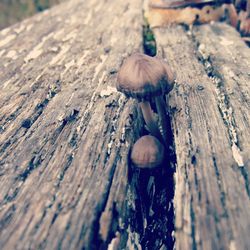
point(147, 79)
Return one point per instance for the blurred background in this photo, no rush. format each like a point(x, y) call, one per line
point(12, 11)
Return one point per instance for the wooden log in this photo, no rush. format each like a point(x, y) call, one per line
point(65, 132)
point(65, 135)
point(210, 119)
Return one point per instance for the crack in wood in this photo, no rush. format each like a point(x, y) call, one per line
point(192, 216)
point(162, 228)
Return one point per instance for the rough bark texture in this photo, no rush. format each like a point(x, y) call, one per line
point(65, 132)
point(211, 126)
point(65, 135)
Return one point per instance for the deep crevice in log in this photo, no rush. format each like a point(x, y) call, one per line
point(152, 211)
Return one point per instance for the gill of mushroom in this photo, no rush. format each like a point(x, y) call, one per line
point(147, 78)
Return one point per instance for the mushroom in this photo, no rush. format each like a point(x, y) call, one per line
point(146, 78)
point(147, 152)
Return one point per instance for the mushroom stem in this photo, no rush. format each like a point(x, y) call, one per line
point(149, 120)
point(164, 121)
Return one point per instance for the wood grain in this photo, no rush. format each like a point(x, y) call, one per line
point(65, 132)
point(210, 122)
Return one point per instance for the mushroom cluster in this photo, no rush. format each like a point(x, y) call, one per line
point(148, 79)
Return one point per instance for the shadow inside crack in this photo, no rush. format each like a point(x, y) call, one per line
point(152, 211)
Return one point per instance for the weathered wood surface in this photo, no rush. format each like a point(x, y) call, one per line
point(65, 135)
point(211, 126)
point(65, 132)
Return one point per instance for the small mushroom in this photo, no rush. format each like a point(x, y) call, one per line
point(146, 78)
point(147, 152)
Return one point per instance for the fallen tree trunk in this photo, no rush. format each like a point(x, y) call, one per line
point(65, 135)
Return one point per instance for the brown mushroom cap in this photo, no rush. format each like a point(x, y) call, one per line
point(143, 77)
point(147, 152)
